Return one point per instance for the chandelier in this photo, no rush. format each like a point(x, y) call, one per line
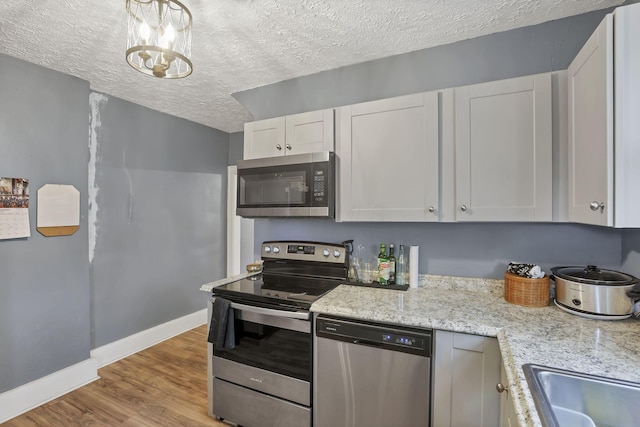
point(159, 38)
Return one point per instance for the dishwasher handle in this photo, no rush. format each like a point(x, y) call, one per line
point(367, 343)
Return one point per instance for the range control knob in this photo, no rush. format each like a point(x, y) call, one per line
point(336, 254)
point(325, 253)
point(276, 250)
point(267, 249)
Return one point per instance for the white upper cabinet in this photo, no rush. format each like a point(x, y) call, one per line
point(296, 134)
point(388, 159)
point(310, 132)
point(503, 150)
point(604, 129)
point(264, 138)
point(591, 129)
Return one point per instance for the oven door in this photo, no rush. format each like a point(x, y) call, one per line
point(272, 353)
point(289, 186)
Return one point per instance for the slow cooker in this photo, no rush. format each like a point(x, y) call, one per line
point(594, 292)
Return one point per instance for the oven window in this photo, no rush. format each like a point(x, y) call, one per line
point(270, 348)
point(276, 189)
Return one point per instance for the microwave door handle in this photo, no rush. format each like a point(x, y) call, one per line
point(303, 315)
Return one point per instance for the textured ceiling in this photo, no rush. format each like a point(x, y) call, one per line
point(243, 44)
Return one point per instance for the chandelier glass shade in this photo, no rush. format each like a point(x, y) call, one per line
point(159, 38)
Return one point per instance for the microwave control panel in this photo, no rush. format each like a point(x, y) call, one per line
point(320, 185)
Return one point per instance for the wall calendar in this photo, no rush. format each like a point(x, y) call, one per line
point(14, 208)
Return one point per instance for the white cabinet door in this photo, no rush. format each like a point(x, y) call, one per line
point(627, 115)
point(604, 130)
point(466, 371)
point(388, 159)
point(296, 134)
point(507, 412)
point(309, 132)
point(264, 138)
point(503, 164)
point(591, 129)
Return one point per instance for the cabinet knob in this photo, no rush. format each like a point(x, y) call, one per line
point(289, 147)
point(463, 208)
point(595, 206)
point(501, 388)
point(278, 147)
point(431, 209)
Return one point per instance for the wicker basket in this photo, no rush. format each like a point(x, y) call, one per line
point(526, 292)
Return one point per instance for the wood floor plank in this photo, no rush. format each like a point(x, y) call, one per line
point(164, 385)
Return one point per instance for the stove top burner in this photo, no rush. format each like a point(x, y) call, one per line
point(291, 292)
point(295, 274)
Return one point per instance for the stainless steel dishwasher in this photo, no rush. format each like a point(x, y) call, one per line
point(368, 375)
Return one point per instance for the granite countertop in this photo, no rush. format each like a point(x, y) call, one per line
point(208, 287)
point(546, 336)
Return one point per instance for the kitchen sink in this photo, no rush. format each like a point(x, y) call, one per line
point(574, 399)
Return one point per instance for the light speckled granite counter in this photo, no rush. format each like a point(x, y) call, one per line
point(208, 287)
point(546, 336)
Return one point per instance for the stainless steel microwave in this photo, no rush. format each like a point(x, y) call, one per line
point(300, 185)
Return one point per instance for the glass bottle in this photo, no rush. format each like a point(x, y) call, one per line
point(392, 265)
point(383, 265)
point(401, 267)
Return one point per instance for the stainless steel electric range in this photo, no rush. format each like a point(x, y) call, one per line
point(266, 378)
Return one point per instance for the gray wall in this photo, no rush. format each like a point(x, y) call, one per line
point(153, 216)
point(44, 289)
point(473, 250)
point(631, 252)
point(160, 228)
point(236, 147)
point(468, 250)
point(537, 49)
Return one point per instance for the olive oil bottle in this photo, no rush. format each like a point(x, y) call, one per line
point(392, 265)
point(384, 266)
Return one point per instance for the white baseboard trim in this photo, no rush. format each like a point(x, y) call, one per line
point(120, 349)
point(28, 396)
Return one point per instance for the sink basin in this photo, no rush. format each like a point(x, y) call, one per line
point(574, 399)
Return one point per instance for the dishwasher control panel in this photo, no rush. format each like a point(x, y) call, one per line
point(399, 339)
point(408, 340)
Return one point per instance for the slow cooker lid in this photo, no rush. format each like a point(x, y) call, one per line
point(594, 275)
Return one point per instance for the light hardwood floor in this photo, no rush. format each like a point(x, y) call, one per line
point(164, 385)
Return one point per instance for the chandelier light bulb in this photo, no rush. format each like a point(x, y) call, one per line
point(167, 36)
point(145, 32)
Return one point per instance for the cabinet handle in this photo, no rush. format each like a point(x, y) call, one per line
point(279, 147)
point(431, 209)
point(595, 206)
point(463, 208)
point(501, 388)
point(289, 147)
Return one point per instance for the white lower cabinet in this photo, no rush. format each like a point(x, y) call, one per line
point(507, 412)
point(466, 371)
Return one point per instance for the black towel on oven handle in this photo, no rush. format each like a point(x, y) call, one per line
point(230, 332)
point(221, 329)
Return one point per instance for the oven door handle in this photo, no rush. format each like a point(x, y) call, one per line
point(303, 315)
